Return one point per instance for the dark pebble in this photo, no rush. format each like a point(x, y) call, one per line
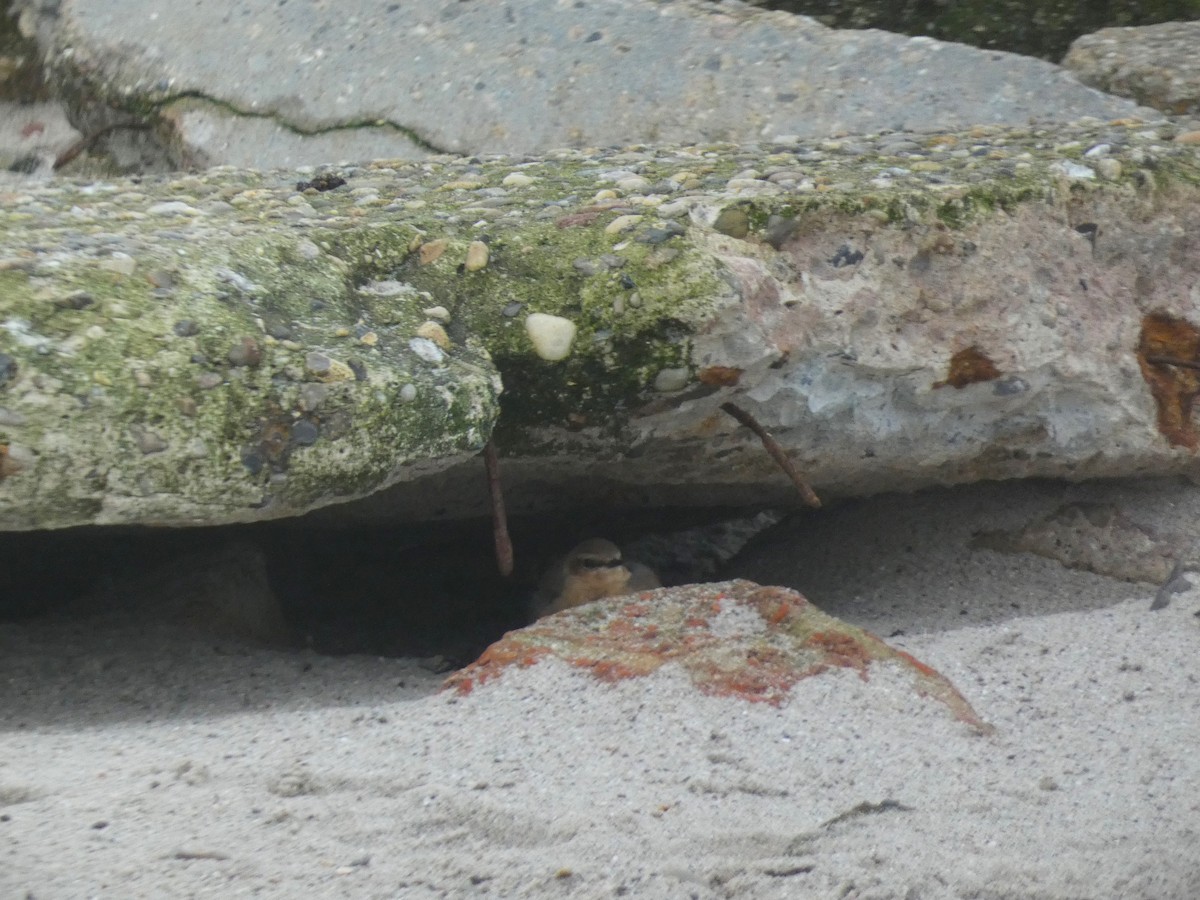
point(26, 165)
point(161, 279)
point(512, 310)
point(1007, 387)
point(8, 368)
point(253, 461)
point(186, 328)
point(733, 221)
point(660, 234)
point(245, 352)
point(149, 441)
point(75, 300)
point(322, 183)
point(305, 433)
point(359, 368)
point(846, 257)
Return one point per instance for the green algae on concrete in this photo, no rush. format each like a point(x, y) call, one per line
point(237, 345)
point(202, 376)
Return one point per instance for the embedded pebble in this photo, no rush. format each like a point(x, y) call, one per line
point(517, 179)
point(435, 332)
point(185, 328)
point(172, 208)
point(512, 310)
point(312, 396)
point(552, 336)
point(477, 256)
point(245, 352)
point(305, 433)
point(733, 221)
point(385, 288)
point(307, 249)
point(431, 251)
point(621, 224)
point(121, 263)
point(148, 441)
point(408, 393)
point(670, 380)
point(75, 300)
point(237, 279)
point(326, 369)
point(633, 184)
point(1109, 169)
point(438, 312)
point(426, 350)
point(1074, 170)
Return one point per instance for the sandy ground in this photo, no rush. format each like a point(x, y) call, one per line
point(150, 762)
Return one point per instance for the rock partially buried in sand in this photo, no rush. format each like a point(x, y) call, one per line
point(733, 638)
point(552, 336)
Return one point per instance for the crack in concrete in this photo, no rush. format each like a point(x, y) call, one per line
point(350, 125)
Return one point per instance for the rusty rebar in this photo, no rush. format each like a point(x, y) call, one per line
point(776, 451)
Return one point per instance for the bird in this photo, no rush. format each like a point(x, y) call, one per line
point(592, 570)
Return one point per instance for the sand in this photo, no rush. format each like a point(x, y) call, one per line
point(149, 761)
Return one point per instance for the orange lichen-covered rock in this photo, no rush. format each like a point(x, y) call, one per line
point(969, 366)
point(733, 638)
point(1169, 356)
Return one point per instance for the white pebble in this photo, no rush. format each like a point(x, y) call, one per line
point(1075, 171)
point(670, 380)
point(1109, 168)
point(121, 263)
point(408, 393)
point(633, 184)
point(172, 208)
point(621, 223)
point(426, 349)
point(552, 336)
point(517, 179)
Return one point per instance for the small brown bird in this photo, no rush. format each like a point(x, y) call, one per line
point(594, 569)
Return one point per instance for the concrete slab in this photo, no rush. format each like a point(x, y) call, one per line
point(528, 75)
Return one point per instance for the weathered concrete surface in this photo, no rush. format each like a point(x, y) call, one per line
point(32, 134)
point(403, 80)
point(171, 354)
point(900, 311)
point(1158, 65)
point(20, 69)
point(735, 639)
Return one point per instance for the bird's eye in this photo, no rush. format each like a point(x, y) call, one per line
point(592, 562)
